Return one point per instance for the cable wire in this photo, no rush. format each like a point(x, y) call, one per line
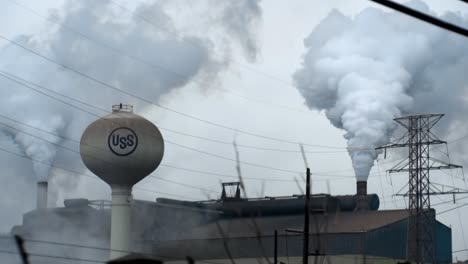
point(189, 116)
point(164, 165)
point(179, 145)
point(27, 86)
point(20, 81)
point(52, 256)
point(121, 52)
point(82, 174)
point(422, 16)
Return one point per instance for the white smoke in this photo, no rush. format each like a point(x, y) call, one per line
point(42, 153)
point(147, 57)
point(367, 70)
point(241, 19)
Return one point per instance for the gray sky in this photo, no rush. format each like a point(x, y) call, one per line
point(258, 97)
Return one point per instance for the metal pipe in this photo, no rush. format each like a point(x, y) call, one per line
point(362, 203)
point(41, 198)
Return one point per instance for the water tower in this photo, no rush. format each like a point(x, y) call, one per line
point(121, 148)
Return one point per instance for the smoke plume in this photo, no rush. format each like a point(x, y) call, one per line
point(42, 153)
point(367, 70)
point(150, 53)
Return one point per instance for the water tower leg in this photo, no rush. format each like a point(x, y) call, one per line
point(120, 221)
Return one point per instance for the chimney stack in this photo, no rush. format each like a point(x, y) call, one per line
point(361, 196)
point(41, 199)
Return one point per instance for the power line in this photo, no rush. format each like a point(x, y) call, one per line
point(245, 178)
point(170, 166)
point(264, 74)
point(179, 145)
point(184, 184)
point(255, 147)
point(82, 174)
point(152, 176)
point(100, 109)
point(95, 107)
point(176, 144)
point(422, 16)
point(229, 159)
point(159, 66)
point(123, 91)
point(323, 174)
point(163, 193)
point(101, 117)
point(102, 83)
point(451, 209)
point(52, 256)
point(460, 250)
point(65, 244)
point(74, 151)
point(121, 52)
point(18, 80)
point(451, 201)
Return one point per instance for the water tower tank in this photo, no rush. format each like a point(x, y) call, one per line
point(122, 148)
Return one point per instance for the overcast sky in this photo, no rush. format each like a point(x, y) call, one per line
point(253, 93)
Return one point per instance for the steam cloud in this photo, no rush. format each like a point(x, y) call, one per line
point(40, 152)
point(171, 52)
point(367, 70)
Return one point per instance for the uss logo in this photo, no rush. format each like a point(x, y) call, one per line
point(122, 141)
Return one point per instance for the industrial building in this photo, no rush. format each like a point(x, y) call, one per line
point(122, 148)
point(231, 227)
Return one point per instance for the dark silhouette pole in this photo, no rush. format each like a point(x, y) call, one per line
point(276, 246)
point(305, 251)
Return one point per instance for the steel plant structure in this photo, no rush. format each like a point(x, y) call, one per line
point(230, 229)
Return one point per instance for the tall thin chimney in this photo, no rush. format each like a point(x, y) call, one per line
point(361, 196)
point(41, 199)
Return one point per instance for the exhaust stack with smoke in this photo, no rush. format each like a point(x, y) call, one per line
point(361, 85)
point(42, 191)
point(362, 203)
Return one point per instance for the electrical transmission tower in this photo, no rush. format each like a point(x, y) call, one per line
point(421, 223)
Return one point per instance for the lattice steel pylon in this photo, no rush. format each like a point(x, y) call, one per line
point(421, 224)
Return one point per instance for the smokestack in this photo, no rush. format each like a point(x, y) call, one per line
point(361, 196)
point(41, 199)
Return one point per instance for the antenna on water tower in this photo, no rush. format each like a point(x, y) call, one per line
point(121, 148)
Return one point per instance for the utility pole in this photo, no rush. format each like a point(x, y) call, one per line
point(421, 223)
point(305, 232)
point(305, 251)
point(20, 244)
point(276, 247)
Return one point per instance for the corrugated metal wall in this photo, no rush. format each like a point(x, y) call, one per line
point(388, 241)
point(443, 244)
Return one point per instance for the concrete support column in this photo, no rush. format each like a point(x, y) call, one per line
point(120, 221)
